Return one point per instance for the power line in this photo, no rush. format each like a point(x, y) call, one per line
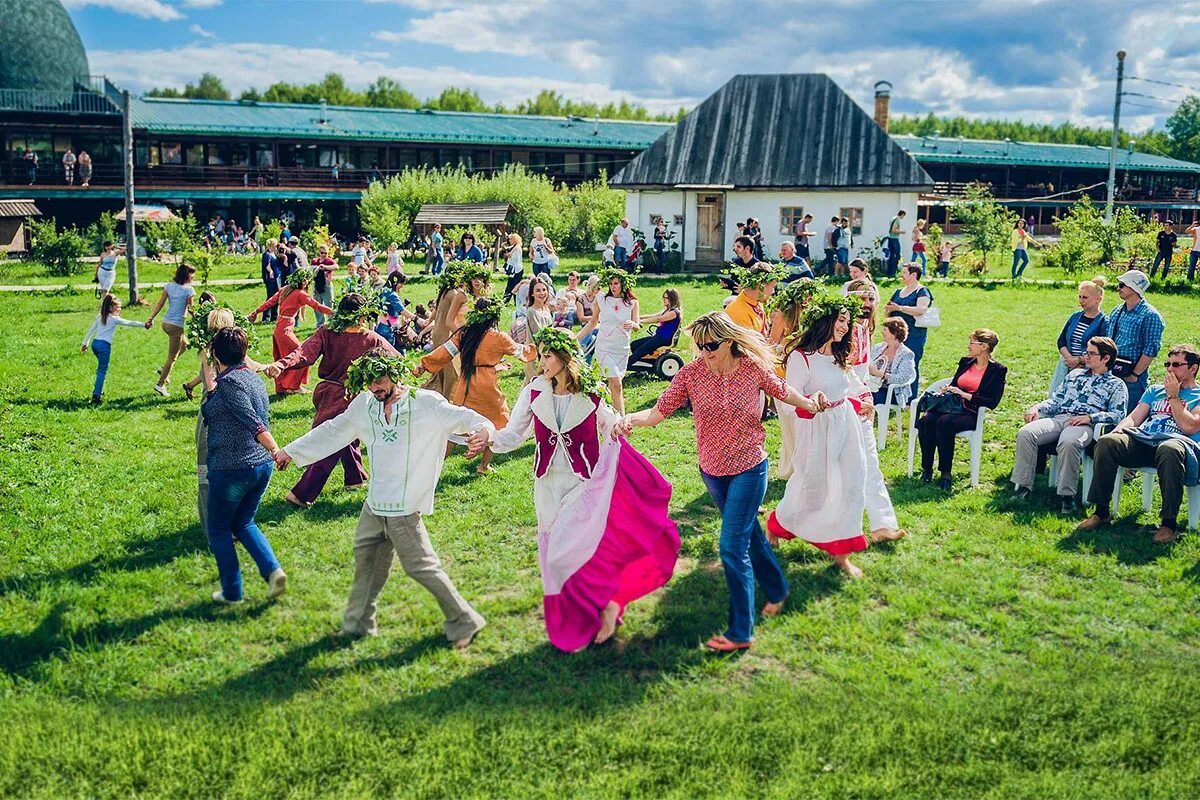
point(1150, 96)
point(1165, 83)
point(1144, 105)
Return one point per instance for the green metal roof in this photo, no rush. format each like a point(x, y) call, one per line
point(166, 116)
point(931, 149)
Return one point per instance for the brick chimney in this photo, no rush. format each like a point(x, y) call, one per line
point(883, 98)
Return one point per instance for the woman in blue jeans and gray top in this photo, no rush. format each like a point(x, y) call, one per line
point(723, 386)
point(240, 462)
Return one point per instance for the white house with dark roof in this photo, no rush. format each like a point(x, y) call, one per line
point(772, 147)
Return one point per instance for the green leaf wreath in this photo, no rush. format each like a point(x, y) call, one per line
point(829, 304)
point(364, 317)
point(628, 279)
point(490, 314)
point(560, 340)
point(367, 369)
point(758, 275)
point(797, 293)
point(468, 271)
point(300, 277)
point(200, 337)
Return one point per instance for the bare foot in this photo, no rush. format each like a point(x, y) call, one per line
point(608, 623)
point(296, 501)
point(848, 568)
point(463, 643)
point(887, 535)
point(482, 470)
point(1165, 535)
point(773, 609)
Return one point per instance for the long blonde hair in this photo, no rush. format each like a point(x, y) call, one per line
point(220, 318)
point(716, 326)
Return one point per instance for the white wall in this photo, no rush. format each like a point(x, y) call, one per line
point(878, 209)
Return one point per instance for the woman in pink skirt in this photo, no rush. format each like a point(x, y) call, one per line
point(604, 538)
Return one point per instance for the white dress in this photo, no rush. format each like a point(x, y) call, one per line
point(880, 511)
point(107, 272)
point(612, 341)
point(825, 497)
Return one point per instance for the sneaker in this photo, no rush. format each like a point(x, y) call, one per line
point(927, 477)
point(96, 400)
point(219, 597)
point(277, 583)
point(945, 484)
point(1024, 492)
point(158, 387)
point(1069, 506)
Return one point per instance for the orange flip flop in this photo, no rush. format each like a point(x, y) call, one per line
point(723, 645)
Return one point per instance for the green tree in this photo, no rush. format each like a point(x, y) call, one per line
point(985, 223)
point(61, 251)
point(387, 93)
point(209, 87)
point(454, 98)
point(1183, 128)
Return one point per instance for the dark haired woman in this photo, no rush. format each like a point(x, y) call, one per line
point(604, 537)
point(667, 321)
point(177, 296)
point(106, 271)
point(100, 335)
point(615, 315)
point(345, 337)
point(289, 300)
point(480, 346)
point(240, 454)
point(825, 497)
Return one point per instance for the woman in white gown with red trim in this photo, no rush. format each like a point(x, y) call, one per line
point(604, 537)
point(825, 497)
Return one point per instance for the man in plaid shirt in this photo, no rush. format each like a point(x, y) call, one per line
point(1087, 397)
point(1137, 328)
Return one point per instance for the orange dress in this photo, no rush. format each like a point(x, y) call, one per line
point(284, 340)
point(482, 394)
point(442, 379)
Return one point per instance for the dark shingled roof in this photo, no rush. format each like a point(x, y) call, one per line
point(487, 214)
point(775, 131)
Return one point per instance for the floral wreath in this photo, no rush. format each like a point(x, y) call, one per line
point(628, 279)
point(367, 369)
point(300, 277)
point(200, 337)
point(798, 293)
point(467, 271)
point(828, 305)
point(365, 316)
point(560, 340)
point(757, 275)
point(489, 314)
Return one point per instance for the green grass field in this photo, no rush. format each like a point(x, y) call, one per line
point(993, 653)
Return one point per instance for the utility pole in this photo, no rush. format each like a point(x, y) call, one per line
point(1112, 151)
point(130, 227)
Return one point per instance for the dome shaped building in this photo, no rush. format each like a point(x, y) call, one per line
point(40, 48)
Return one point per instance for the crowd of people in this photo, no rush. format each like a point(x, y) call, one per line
point(409, 383)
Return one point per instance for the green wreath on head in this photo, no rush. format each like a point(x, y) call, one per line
point(758, 275)
point(467, 271)
point(367, 369)
point(200, 337)
point(490, 314)
point(797, 293)
point(828, 305)
point(628, 279)
point(364, 317)
point(300, 277)
point(560, 340)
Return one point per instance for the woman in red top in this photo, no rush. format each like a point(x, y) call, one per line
point(978, 383)
point(723, 386)
point(290, 299)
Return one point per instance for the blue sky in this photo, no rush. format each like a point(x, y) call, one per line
point(1034, 60)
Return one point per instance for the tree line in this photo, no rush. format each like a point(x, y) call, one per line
point(384, 92)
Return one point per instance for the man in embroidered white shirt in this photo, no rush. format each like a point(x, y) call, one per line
point(404, 431)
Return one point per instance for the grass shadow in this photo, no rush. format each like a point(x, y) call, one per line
point(1126, 540)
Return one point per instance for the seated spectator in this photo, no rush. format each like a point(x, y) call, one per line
point(667, 322)
point(1079, 330)
point(1088, 396)
point(892, 364)
point(978, 383)
point(797, 267)
point(1162, 431)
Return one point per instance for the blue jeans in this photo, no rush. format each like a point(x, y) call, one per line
point(893, 255)
point(1193, 257)
point(541, 268)
point(1136, 390)
point(1019, 257)
point(588, 345)
point(919, 255)
point(619, 255)
point(745, 554)
point(439, 264)
point(1165, 260)
point(103, 351)
point(660, 257)
point(233, 498)
point(916, 343)
point(843, 255)
point(943, 269)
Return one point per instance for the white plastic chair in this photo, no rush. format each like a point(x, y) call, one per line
point(883, 417)
point(974, 436)
point(1089, 466)
point(1148, 476)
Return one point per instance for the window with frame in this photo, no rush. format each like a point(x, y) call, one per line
point(788, 217)
point(172, 153)
point(855, 216)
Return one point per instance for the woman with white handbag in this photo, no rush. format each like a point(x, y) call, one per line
point(913, 303)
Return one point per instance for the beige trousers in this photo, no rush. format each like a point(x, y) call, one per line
point(374, 542)
point(176, 344)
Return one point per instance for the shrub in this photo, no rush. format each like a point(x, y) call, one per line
point(60, 251)
point(176, 236)
point(986, 224)
point(104, 229)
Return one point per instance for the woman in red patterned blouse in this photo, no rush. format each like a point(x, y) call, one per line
point(723, 386)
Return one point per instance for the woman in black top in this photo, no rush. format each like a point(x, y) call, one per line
point(978, 383)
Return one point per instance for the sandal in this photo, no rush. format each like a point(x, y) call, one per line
point(723, 645)
point(773, 609)
point(187, 390)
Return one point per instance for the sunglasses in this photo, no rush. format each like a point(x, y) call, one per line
point(711, 347)
point(1176, 364)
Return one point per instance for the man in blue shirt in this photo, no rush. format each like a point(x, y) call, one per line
point(1137, 328)
point(1162, 431)
point(435, 244)
point(797, 267)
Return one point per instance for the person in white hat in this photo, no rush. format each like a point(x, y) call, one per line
point(1137, 328)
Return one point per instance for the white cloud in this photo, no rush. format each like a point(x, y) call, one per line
point(148, 9)
point(202, 3)
point(196, 29)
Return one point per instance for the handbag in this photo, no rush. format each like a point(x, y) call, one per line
point(932, 318)
point(940, 403)
point(1121, 367)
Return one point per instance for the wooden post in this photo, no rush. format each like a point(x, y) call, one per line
point(130, 226)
